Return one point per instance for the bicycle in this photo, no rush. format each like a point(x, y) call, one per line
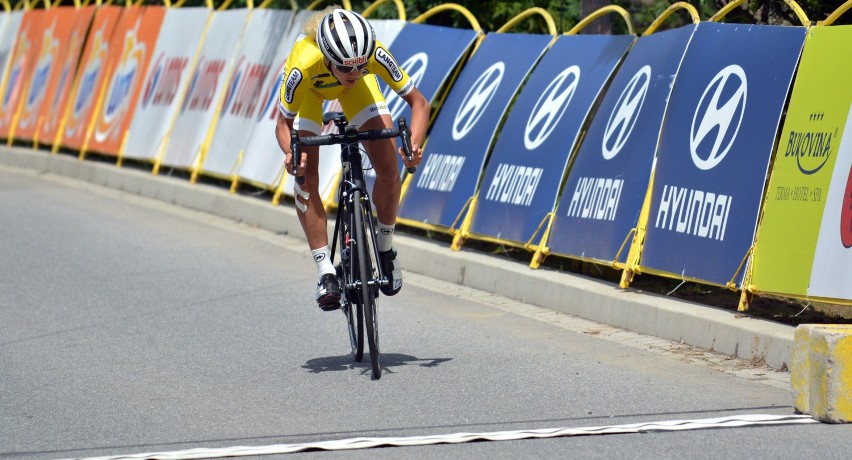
point(359, 270)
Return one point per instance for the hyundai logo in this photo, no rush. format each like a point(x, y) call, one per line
point(626, 112)
point(550, 107)
point(477, 99)
point(718, 117)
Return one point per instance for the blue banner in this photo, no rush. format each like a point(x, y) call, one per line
point(523, 175)
point(608, 181)
point(428, 54)
point(715, 149)
point(462, 133)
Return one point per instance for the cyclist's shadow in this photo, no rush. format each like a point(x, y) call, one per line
point(388, 361)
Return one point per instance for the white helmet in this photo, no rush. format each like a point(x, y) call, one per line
point(346, 38)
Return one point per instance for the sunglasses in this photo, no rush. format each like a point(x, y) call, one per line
point(349, 69)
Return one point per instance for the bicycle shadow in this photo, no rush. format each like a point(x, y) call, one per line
point(388, 361)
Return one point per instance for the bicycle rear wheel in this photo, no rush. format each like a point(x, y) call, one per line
point(365, 264)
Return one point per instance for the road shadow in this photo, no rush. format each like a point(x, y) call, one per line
point(389, 362)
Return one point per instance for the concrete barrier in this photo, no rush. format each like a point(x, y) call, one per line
point(821, 371)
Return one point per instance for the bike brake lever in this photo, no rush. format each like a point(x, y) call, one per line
point(405, 135)
point(296, 148)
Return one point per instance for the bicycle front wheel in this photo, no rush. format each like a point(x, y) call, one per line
point(368, 282)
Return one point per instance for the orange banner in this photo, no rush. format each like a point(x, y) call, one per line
point(75, 23)
point(134, 41)
point(89, 78)
point(57, 54)
point(23, 57)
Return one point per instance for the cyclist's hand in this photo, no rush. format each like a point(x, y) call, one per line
point(288, 162)
point(416, 155)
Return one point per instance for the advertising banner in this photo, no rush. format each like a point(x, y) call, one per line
point(603, 195)
point(808, 148)
point(833, 255)
point(462, 134)
point(715, 147)
point(59, 90)
point(523, 175)
point(134, 42)
point(62, 25)
point(244, 95)
point(263, 161)
point(10, 25)
point(166, 80)
point(204, 93)
point(90, 76)
point(26, 50)
point(429, 54)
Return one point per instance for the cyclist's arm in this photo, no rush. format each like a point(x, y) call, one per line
point(419, 120)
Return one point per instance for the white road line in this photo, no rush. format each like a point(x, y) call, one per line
point(457, 438)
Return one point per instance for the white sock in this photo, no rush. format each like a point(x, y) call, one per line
point(385, 237)
point(322, 258)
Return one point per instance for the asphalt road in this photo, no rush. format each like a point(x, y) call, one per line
point(129, 325)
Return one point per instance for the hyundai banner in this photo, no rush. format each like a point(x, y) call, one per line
point(533, 149)
point(463, 132)
point(715, 149)
point(428, 54)
point(603, 195)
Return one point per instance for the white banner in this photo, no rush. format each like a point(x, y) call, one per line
point(166, 82)
point(244, 97)
point(205, 89)
point(10, 24)
point(263, 161)
point(833, 255)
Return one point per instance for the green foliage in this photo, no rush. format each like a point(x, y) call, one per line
point(492, 14)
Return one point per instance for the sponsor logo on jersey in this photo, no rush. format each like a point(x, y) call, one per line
point(293, 80)
point(550, 107)
point(718, 117)
point(387, 61)
point(415, 67)
point(477, 99)
point(626, 112)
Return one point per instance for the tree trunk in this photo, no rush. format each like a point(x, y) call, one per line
point(601, 25)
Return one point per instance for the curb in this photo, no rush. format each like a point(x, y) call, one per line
point(698, 325)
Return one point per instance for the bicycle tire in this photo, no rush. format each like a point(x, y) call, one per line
point(352, 306)
point(365, 272)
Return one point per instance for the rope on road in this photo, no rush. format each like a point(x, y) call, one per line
point(457, 438)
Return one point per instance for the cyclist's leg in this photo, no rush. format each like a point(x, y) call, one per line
point(310, 207)
point(365, 106)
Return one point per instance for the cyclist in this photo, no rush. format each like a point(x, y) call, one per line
point(339, 57)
